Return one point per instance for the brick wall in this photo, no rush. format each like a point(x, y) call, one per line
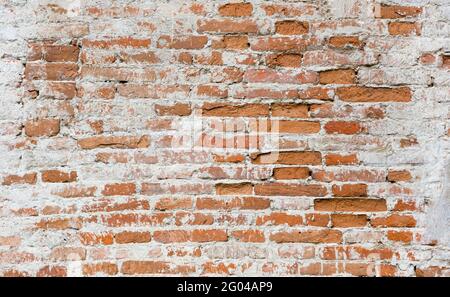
point(224, 138)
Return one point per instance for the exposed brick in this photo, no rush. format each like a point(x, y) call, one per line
point(316, 236)
point(27, 178)
point(234, 189)
point(338, 127)
point(345, 41)
point(342, 76)
point(51, 71)
point(226, 110)
point(114, 142)
point(89, 238)
point(236, 203)
point(116, 42)
point(236, 9)
point(399, 175)
point(350, 190)
point(185, 42)
point(358, 205)
point(289, 158)
point(61, 53)
point(394, 220)
point(132, 237)
point(278, 189)
point(404, 28)
point(248, 235)
point(52, 271)
point(43, 127)
point(348, 221)
point(178, 109)
point(284, 60)
point(171, 236)
point(401, 236)
point(235, 42)
point(57, 176)
point(277, 218)
point(291, 27)
point(396, 11)
point(119, 189)
point(144, 267)
point(227, 26)
point(290, 110)
point(209, 235)
point(224, 138)
point(212, 91)
point(100, 269)
point(281, 44)
point(337, 159)
point(366, 94)
point(298, 127)
point(291, 173)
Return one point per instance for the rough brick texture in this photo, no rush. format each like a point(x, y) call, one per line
point(250, 138)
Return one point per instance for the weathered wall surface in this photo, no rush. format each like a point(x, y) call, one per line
point(208, 137)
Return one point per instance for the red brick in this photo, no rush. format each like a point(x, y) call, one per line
point(57, 176)
point(396, 11)
point(291, 173)
point(119, 189)
point(234, 189)
point(43, 127)
point(279, 189)
point(398, 175)
point(350, 190)
point(212, 91)
point(170, 236)
point(290, 110)
point(401, 236)
point(338, 127)
point(132, 237)
point(394, 220)
point(52, 271)
point(345, 42)
point(289, 158)
point(234, 42)
point(277, 218)
point(297, 127)
point(404, 28)
point(236, 9)
point(178, 109)
point(248, 235)
point(236, 203)
point(89, 238)
point(352, 204)
point(100, 269)
point(209, 235)
point(27, 178)
point(284, 60)
point(51, 71)
point(314, 236)
point(227, 110)
point(185, 42)
point(348, 221)
point(144, 267)
point(367, 94)
point(282, 44)
point(337, 159)
point(122, 42)
point(340, 76)
point(291, 27)
point(226, 26)
point(114, 142)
